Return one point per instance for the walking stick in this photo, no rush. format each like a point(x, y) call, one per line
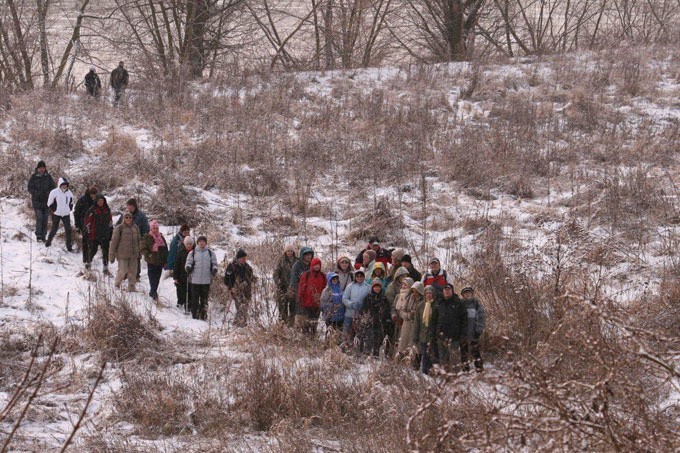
point(186, 303)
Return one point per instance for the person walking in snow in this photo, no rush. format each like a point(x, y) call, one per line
point(97, 229)
point(180, 275)
point(312, 284)
point(476, 323)
point(93, 83)
point(240, 279)
point(155, 252)
point(142, 222)
point(83, 205)
point(282, 273)
point(176, 245)
point(119, 82)
point(39, 186)
point(60, 202)
point(201, 265)
point(125, 247)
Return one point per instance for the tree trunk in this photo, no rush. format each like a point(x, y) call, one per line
point(43, 6)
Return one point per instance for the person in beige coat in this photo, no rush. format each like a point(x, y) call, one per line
point(125, 247)
point(404, 306)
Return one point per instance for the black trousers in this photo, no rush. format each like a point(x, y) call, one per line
point(55, 227)
point(93, 246)
point(199, 301)
point(470, 349)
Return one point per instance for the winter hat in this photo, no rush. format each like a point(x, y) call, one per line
point(434, 260)
point(406, 258)
point(449, 285)
point(429, 289)
point(188, 241)
point(132, 202)
point(306, 250)
point(359, 271)
point(289, 248)
point(41, 164)
point(419, 288)
point(408, 281)
point(241, 254)
point(399, 272)
point(467, 289)
point(373, 240)
point(376, 282)
point(399, 254)
point(202, 238)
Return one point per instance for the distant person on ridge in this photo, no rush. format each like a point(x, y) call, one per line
point(93, 83)
point(119, 82)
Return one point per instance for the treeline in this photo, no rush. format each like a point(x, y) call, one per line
point(41, 40)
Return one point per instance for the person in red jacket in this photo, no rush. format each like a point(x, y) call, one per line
point(312, 283)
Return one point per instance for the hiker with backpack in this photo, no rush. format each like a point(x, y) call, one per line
point(239, 279)
point(125, 247)
point(155, 252)
point(83, 205)
point(201, 265)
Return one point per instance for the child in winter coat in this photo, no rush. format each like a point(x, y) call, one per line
point(353, 300)
point(201, 265)
point(60, 202)
point(155, 252)
point(375, 319)
point(343, 267)
point(380, 274)
point(312, 283)
point(331, 303)
point(475, 328)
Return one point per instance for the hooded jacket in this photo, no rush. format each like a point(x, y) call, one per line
point(179, 272)
point(375, 312)
point(83, 205)
point(202, 265)
point(61, 201)
point(353, 297)
point(311, 285)
point(394, 287)
point(476, 321)
point(331, 300)
point(39, 186)
point(125, 243)
point(383, 280)
point(98, 224)
point(298, 269)
point(175, 246)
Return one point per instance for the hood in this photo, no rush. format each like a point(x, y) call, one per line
point(41, 164)
point(62, 181)
point(304, 250)
point(101, 197)
point(376, 283)
point(330, 277)
point(314, 262)
point(379, 265)
point(419, 288)
point(409, 283)
point(349, 268)
point(400, 271)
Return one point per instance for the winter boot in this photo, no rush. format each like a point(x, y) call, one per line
point(48, 242)
point(106, 272)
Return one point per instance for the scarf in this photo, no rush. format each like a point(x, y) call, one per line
point(157, 240)
point(427, 312)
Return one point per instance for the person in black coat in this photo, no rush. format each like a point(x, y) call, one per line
point(449, 324)
point(83, 205)
point(179, 273)
point(39, 186)
point(93, 83)
point(97, 230)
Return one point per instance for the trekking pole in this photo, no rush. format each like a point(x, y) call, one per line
point(186, 302)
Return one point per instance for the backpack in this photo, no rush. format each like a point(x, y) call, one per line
point(229, 277)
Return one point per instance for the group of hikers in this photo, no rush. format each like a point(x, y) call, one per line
point(378, 301)
point(119, 81)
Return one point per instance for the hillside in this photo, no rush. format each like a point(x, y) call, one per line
point(549, 184)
